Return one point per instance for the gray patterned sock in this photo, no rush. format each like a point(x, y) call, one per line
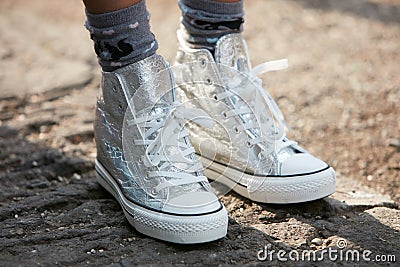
point(121, 37)
point(205, 21)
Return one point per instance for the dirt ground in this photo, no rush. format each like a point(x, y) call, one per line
point(340, 95)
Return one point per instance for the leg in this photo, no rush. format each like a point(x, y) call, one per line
point(120, 31)
point(206, 21)
point(105, 6)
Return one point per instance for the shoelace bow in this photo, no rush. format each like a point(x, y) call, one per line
point(272, 129)
point(171, 134)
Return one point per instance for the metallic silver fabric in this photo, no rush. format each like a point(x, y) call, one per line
point(201, 77)
point(142, 88)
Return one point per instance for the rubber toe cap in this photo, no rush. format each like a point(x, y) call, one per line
point(301, 164)
point(193, 203)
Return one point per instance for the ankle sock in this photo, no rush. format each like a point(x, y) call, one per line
point(121, 37)
point(205, 21)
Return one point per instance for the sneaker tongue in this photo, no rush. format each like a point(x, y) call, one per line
point(231, 50)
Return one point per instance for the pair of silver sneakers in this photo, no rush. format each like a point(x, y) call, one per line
point(148, 116)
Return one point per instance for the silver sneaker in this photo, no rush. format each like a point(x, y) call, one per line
point(248, 149)
point(145, 159)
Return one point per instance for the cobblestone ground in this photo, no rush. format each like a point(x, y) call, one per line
point(340, 96)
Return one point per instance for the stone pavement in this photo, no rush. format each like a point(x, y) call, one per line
point(341, 97)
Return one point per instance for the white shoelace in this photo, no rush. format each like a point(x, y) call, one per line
point(262, 98)
point(172, 136)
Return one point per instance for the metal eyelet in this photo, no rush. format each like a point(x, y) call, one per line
point(203, 62)
point(209, 82)
point(215, 97)
point(224, 115)
point(140, 160)
point(154, 192)
point(120, 107)
point(114, 88)
point(236, 129)
point(248, 143)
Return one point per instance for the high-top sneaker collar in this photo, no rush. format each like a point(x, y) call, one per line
point(133, 80)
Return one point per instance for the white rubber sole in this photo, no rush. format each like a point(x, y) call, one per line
point(190, 229)
point(274, 190)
